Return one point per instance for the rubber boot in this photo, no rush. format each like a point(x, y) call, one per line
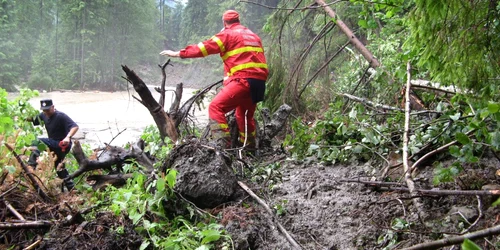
point(62, 174)
point(219, 135)
point(33, 157)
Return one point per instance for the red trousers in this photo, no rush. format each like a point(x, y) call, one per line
point(234, 95)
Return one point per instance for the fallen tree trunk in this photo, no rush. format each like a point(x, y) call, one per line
point(374, 63)
point(111, 157)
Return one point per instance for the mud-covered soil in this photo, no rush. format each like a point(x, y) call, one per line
point(323, 211)
point(312, 202)
point(306, 204)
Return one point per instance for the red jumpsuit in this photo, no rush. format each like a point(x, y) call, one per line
point(243, 57)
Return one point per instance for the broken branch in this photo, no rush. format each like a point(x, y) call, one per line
point(266, 207)
point(409, 181)
point(457, 239)
point(370, 103)
point(34, 183)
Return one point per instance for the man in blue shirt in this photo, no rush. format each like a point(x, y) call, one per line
point(60, 129)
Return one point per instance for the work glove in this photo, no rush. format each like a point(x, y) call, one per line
point(64, 145)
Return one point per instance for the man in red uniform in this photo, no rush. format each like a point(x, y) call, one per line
point(245, 74)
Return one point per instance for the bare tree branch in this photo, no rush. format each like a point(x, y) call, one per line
point(457, 239)
point(409, 181)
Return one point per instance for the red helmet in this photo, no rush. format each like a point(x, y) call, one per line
point(231, 15)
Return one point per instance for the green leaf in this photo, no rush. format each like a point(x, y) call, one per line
point(484, 113)
point(455, 151)
point(496, 203)
point(398, 224)
point(160, 184)
point(389, 14)
point(495, 139)
point(362, 23)
point(203, 247)
point(493, 107)
point(358, 149)
point(462, 138)
point(10, 168)
point(455, 117)
point(469, 245)
point(210, 236)
point(127, 195)
point(171, 177)
point(134, 215)
point(144, 245)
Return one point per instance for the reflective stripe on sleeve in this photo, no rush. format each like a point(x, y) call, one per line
point(203, 49)
point(220, 43)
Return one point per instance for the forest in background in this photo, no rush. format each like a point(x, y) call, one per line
point(53, 44)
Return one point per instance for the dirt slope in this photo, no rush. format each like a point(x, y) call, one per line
point(323, 212)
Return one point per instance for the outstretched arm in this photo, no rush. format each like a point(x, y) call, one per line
point(170, 53)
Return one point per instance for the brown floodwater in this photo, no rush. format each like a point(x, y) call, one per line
point(103, 116)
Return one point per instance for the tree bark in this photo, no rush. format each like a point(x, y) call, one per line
point(113, 156)
point(164, 122)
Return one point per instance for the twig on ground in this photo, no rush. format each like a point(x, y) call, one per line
point(457, 239)
point(266, 207)
point(34, 245)
point(444, 192)
point(10, 189)
point(14, 211)
point(25, 224)
point(372, 183)
point(480, 210)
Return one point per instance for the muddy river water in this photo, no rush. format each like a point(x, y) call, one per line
point(101, 116)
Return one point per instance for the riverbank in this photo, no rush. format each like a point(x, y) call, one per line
point(105, 117)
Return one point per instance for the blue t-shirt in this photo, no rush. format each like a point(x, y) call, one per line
point(57, 126)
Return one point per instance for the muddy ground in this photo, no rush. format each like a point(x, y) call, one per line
point(324, 212)
point(310, 200)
